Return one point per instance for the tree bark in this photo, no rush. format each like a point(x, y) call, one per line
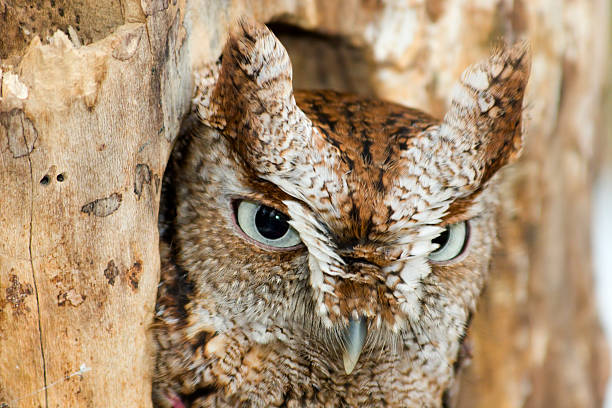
point(88, 116)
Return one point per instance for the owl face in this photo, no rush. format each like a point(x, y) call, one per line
point(338, 218)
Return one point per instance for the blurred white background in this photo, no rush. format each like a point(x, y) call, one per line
point(602, 247)
point(602, 220)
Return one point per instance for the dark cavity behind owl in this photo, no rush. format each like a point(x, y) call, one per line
point(323, 249)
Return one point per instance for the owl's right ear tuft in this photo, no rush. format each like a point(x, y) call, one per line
point(255, 78)
point(483, 127)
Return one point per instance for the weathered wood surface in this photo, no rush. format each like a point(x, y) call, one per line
point(87, 119)
point(85, 133)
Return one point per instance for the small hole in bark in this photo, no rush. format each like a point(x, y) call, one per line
point(60, 177)
point(45, 180)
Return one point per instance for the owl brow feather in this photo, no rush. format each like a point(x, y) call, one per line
point(459, 209)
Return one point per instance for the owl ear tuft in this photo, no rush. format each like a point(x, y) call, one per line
point(255, 77)
point(483, 127)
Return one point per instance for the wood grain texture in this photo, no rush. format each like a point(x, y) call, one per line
point(89, 130)
point(79, 259)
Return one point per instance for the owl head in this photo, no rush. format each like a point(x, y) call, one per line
point(332, 212)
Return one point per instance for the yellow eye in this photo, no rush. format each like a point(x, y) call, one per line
point(266, 225)
point(451, 242)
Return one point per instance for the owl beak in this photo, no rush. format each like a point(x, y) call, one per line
point(354, 339)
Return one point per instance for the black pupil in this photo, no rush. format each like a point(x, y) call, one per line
point(271, 223)
point(441, 239)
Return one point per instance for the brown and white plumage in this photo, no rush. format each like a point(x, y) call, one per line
point(360, 313)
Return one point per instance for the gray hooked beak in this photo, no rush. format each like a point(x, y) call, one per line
point(354, 338)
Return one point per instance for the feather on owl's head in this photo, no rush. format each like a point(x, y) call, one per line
point(372, 188)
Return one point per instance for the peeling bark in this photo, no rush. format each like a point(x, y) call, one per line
point(75, 122)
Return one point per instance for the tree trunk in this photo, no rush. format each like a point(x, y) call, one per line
point(88, 116)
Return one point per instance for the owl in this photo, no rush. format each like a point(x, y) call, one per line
point(324, 249)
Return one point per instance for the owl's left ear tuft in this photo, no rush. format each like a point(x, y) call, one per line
point(255, 77)
point(483, 126)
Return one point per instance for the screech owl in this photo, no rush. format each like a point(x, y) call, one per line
point(324, 249)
